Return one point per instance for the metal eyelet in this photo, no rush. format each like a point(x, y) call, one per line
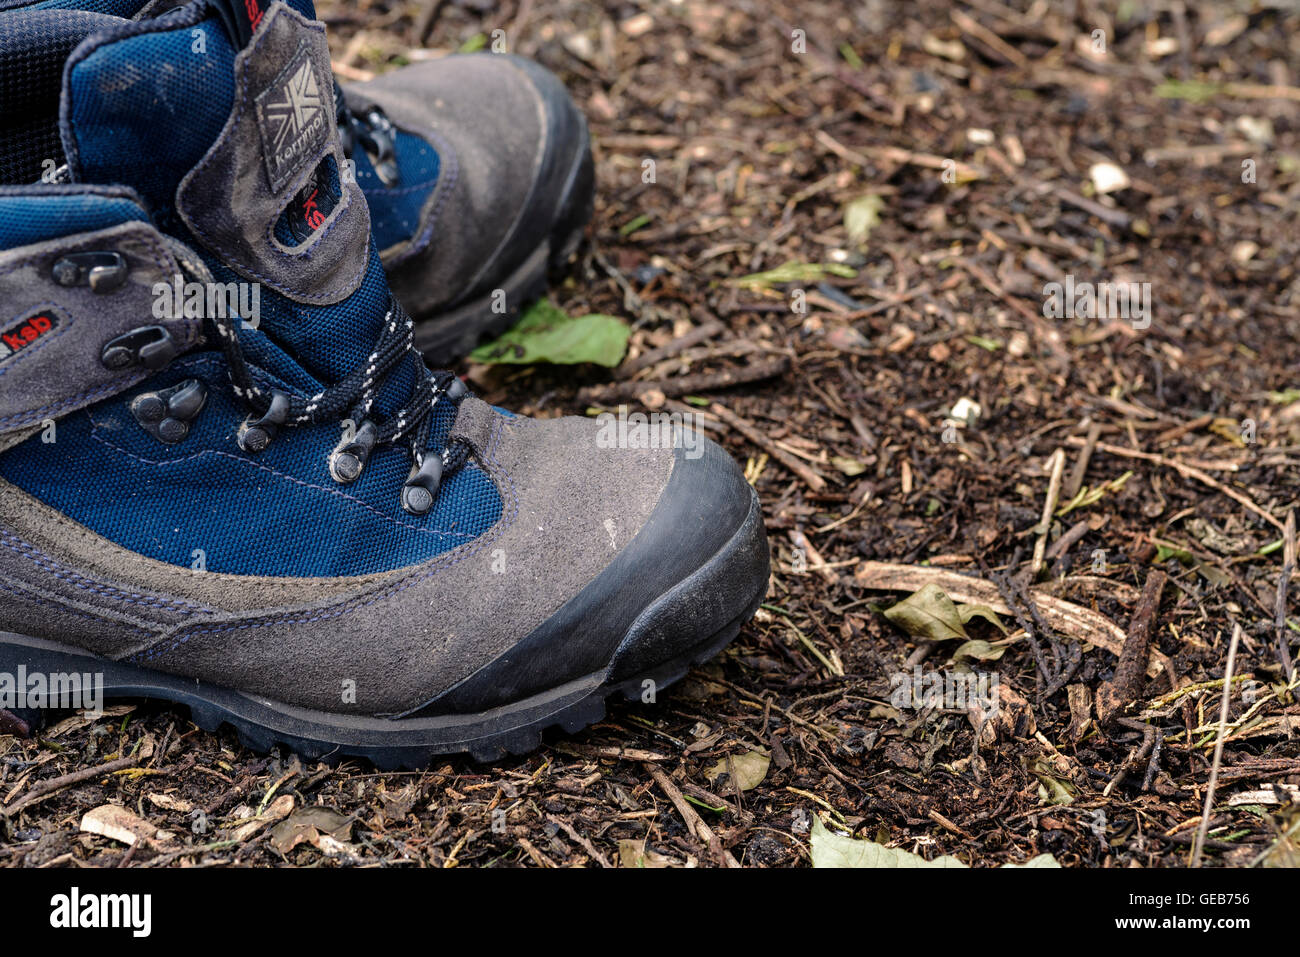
point(168, 413)
point(148, 346)
point(256, 434)
point(101, 271)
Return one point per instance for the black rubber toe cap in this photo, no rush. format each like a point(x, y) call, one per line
point(699, 562)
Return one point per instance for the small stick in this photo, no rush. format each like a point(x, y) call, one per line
point(45, 788)
point(1279, 608)
point(751, 432)
point(1121, 690)
point(1049, 509)
point(1187, 471)
point(686, 384)
point(1080, 470)
point(586, 845)
point(1178, 431)
point(1204, 828)
point(698, 334)
point(693, 821)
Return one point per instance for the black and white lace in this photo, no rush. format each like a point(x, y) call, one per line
point(352, 399)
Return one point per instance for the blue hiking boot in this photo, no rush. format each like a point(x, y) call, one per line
point(227, 478)
point(477, 169)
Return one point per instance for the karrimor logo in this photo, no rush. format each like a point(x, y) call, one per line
point(293, 117)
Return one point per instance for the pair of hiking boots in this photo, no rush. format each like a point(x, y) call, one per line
point(227, 478)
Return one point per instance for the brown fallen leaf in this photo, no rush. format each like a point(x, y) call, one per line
point(307, 825)
point(277, 810)
point(169, 802)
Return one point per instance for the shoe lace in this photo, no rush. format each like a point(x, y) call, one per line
point(351, 399)
point(374, 131)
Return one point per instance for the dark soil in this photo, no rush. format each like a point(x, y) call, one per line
point(757, 150)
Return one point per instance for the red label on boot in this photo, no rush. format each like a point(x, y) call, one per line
point(25, 334)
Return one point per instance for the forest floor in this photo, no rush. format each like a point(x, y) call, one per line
point(910, 405)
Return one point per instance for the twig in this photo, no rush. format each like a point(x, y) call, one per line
point(698, 334)
point(1080, 470)
point(1049, 509)
point(1123, 689)
point(694, 822)
point(1279, 608)
point(1187, 471)
point(586, 845)
point(1146, 747)
point(686, 384)
point(1091, 627)
point(45, 788)
point(1204, 829)
point(751, 432)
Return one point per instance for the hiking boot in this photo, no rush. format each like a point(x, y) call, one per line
point(227, 479)
point(477, 170)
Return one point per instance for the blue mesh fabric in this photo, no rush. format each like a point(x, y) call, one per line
point(395, 212)
point(279, 513)
point(28, 218)
point(116, 8)
point(33, 47)
point(146, 108)
point(143, 110)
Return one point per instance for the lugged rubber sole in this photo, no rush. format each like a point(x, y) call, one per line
point(739, 571)
point(452, 334)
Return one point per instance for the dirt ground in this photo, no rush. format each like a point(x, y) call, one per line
point(907, 413)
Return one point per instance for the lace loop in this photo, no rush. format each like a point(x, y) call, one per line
point(352, 398)
point(374, 131)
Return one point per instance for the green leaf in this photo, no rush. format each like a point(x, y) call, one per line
point(967, 612)
point(631, 226)
point(1051, 788)
point(794, 272)
point(751, 769)
point(836, 850)
point(547, 334)
point(861, 216)
point(475, 43)
point(928, 613)
point(848, 466)
point(985, 343)
point(1164, 552)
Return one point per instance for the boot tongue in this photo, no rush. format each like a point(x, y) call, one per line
point(221, 115)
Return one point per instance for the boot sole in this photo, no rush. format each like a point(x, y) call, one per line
point(446, 336)
point(737, 574)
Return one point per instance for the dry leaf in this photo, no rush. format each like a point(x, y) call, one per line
point(118, 824)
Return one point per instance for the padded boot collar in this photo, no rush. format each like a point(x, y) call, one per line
point(280, 136)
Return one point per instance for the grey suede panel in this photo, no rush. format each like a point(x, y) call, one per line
point(569, 508)
point(230, 200)
point(484, 116)
point(61, 371)
point(59, 539)
point(37, 613)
